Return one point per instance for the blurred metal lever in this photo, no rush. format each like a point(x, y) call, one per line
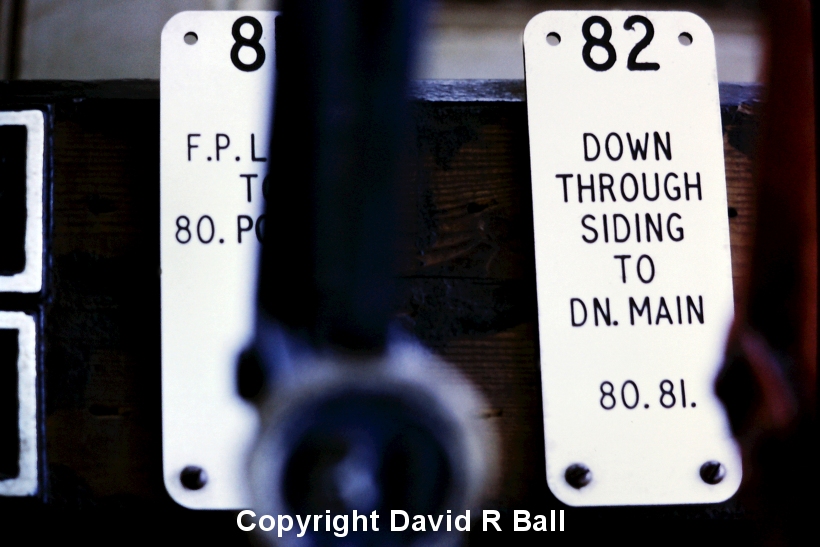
point(355, 416)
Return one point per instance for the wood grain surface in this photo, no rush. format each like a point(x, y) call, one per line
point(470, 290)
point(466, 288)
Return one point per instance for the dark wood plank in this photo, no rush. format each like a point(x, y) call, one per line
point(469, 293)
point(466, 288)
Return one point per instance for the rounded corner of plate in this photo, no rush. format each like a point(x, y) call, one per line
point(701, 22)
point(532, 24)
point(170, 24)
point(728, 494)
point(560, 494)
point(174, 492)
point(733, 489)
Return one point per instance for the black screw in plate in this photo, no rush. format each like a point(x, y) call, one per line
point(578, 475)
point(193, 477)
point(712, 472)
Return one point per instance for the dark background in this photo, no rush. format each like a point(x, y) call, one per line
point(467, 290)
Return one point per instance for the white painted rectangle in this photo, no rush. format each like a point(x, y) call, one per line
point(30, 280)
point(26, 482)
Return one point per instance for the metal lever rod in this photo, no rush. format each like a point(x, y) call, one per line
point(354, 415)
point(339, 131)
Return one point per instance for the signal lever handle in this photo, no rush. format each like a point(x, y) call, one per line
point(354, 414)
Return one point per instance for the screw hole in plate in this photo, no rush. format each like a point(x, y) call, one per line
point(191, 38)
point(712, 472)
point(578, 475)
point(553, 38)
point(685, 38)
point(193, 477)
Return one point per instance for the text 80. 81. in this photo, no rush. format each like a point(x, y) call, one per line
point(630, 395)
